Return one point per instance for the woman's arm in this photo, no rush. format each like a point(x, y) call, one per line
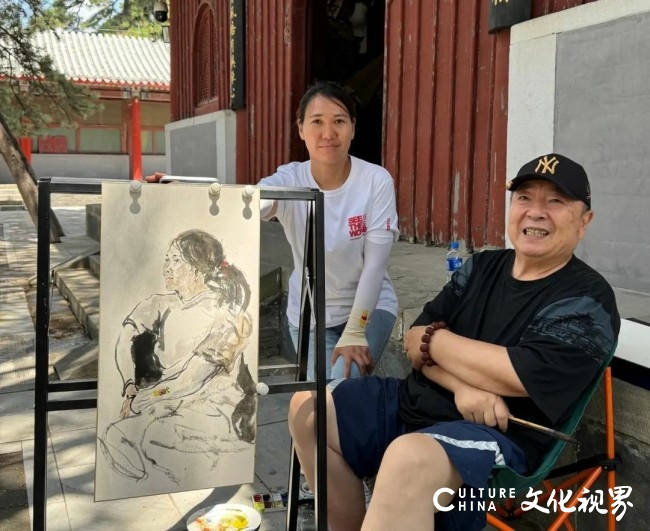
point(353, 344)
point(268, 208)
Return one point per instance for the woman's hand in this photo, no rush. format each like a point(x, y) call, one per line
point(155, 177)
point(357, 353)
point(482, 407)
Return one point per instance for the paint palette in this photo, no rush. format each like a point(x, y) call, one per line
point(277, 501)
point(270, 501)
point(225, 517)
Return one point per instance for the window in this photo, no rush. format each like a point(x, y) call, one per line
point(159, 142)
point(50, 141)
point(211, 61)
point(153, 142)
point(99, 140)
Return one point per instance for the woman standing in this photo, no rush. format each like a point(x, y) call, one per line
point(360, 227)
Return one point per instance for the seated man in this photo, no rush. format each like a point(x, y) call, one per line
point(519, 332)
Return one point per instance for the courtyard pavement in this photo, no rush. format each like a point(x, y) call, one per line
point(417, 272)
point(71, 443)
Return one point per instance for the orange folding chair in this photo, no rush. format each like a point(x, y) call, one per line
point(581, 474)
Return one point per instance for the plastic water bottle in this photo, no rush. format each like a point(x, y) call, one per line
point(453, 261)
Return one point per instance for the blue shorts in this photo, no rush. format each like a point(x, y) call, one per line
point(368, 420)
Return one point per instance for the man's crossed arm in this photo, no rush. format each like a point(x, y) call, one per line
point(478, 373)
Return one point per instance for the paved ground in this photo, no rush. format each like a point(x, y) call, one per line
point(70, 504)
point(417, 273)
point(13, 492)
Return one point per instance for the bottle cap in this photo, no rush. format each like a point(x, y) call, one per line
point(454, 245)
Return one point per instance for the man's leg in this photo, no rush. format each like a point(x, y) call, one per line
point(414, 467)
point(345, 499)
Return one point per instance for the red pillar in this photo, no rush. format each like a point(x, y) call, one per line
point(136, 140)
point(26, 147)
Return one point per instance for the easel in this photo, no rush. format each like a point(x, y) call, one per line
point(313, 298)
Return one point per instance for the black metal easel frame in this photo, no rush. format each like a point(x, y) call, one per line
point(313, 300)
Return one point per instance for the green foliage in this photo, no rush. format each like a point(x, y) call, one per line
point(127, 17)
point(65, 14)
point(130, 17)
point(32, 93)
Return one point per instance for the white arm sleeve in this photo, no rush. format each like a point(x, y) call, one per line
point(368, 291)
point(268, 208)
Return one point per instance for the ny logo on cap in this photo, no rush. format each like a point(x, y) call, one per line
point(545, 165)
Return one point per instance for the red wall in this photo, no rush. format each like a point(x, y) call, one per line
point(446, 107)
point(276, 44)
point(186, 69)
point(445, 104)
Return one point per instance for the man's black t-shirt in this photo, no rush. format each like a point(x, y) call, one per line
point(558, 331)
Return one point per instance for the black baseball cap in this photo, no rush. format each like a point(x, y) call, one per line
point(565, 173)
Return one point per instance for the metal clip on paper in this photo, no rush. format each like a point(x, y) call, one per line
point(247, 196)
point(214, 191)
point(135, 191)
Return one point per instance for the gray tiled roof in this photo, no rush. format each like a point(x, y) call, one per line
point(107, 58)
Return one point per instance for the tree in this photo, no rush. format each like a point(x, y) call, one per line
point(128, 17)
point(32, 92)
point(134, 17)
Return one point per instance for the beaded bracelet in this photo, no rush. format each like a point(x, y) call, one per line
point(426, 338)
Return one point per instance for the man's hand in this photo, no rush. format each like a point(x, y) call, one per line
point(357, 353)
point(412, 346)
point(413, 340)
point(482, 407)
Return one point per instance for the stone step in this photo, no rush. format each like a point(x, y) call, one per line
point(94, 220)
point(12, 205)
point(94, 264)
point(81, 288)
point(79, 362)
point(10, 196)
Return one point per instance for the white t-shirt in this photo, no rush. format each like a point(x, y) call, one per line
point(363, 207)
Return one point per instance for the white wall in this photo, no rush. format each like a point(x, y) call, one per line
point(578, 85)
point(89, 166)
point(203, 146)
